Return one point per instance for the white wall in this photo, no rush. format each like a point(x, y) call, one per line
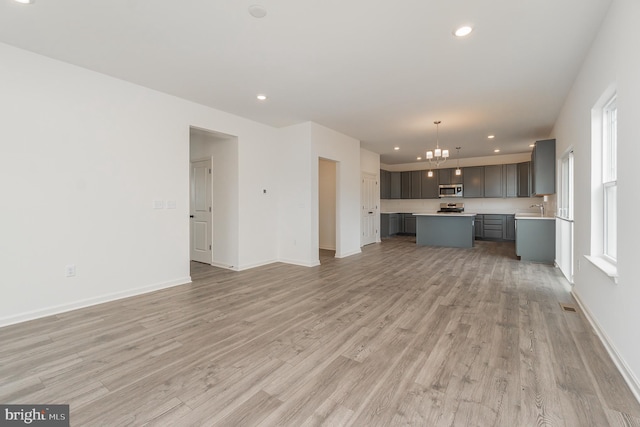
point(223, 152)
point(327, 204)
point(82, 158)
point(329, 144)
point(613, 59)
point(294, 197)
point(301, 147)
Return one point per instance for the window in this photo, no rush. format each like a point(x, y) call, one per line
point(604, 176)
point(609, 179)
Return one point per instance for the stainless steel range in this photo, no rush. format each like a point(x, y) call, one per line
point(451, 207)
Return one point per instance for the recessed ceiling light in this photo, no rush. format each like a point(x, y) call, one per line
point(26, 1)
point(497, 150)
point(396, 148)
point(261, 97)
point(257, 11)
point(418, 158)
point(532, 145)
point(491, 136)
point(463, 31)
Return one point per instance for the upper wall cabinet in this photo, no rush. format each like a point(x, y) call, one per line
point(396, 185)
point(543, 167)
point(474, 181)
point(448, 176)
point(416, 184)
point(493, 181)
point(385, 184)
point(524, 179)
point(405, 185)
point(429, 186)
point(511, 180)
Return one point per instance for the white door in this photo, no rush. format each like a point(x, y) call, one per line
point(369, 209)
point(200, 212)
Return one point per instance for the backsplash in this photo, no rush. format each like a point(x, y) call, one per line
point(481, 205)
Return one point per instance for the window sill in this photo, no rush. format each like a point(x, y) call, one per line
point(607, 267)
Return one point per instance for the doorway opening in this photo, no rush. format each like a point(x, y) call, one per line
point(327, 208)
point(213, 217)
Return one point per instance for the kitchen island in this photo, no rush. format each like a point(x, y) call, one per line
point(445, 229)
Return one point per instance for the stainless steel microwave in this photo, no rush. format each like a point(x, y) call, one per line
point(450, 190)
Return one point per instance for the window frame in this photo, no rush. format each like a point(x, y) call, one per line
point(609, 179)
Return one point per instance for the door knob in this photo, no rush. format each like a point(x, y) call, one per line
point(190, 216)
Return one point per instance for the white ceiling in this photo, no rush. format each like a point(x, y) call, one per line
point(379, 71)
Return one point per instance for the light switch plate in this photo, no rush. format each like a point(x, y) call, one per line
point(158, 204)
point(171, 204)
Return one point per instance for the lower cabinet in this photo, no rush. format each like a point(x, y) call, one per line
point(409, 224)
point(536, 240)
point(495, 227)
point(479, 226)
point(510, 232)
point(397, 223)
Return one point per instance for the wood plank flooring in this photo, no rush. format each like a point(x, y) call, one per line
point(397, 335)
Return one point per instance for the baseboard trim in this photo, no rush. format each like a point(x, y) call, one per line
point(623, 367)
point(257, 264)
point(314, 263)
point(346, 254)
point(63, 308)
point(225, 266)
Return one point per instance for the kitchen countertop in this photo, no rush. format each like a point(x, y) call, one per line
point(533, 216)
point(443, 214)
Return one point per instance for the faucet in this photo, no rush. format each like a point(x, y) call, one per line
point(539, 205)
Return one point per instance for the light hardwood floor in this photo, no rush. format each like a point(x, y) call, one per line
point(397, 335)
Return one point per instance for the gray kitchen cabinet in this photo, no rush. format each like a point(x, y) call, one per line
point(444, 176)
point(510, 228)
point(409, 224)
point(448, 176)
point(543, 167)
point(493, 181)
point(395, 183)
point(457, 179)
point(405, 185)
point(384, 225)
point(511, 180)
point(473, 181)
point(394, 224)
point(524, 179)
point(479, 226)
point(385, 184)
point(536, 239)
point(416, 184)
point(429, 186)
point(493, 226)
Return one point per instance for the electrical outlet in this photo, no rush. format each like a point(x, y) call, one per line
point(70, 270)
